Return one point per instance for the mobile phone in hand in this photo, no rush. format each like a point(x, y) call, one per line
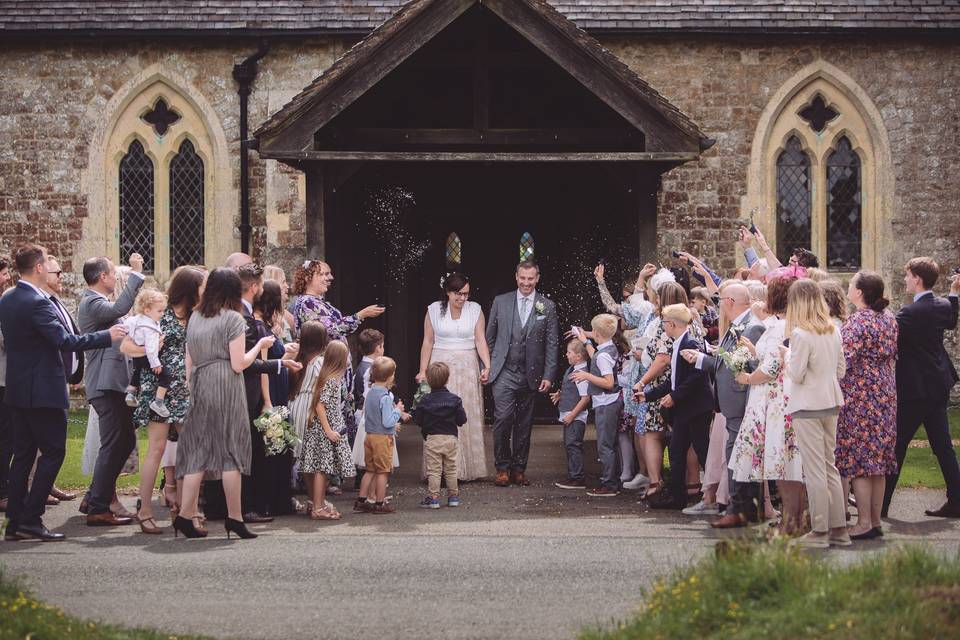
point(786, 343)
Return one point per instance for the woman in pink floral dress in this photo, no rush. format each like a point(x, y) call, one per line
point(867, 425)
point(766, 447)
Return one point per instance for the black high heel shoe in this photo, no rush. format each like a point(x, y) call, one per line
point(237, 527)
point(187, 528)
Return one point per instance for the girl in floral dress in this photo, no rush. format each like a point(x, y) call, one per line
point(766, 447)
point(325, 451)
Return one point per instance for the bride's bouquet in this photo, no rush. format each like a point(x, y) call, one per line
point(736, 360)
point(278, 434)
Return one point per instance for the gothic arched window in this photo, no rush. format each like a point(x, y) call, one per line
point(137, 205)
point(793, 199)
point(454, 252)
point(527, 246)
point(186, 207)
point(843, 207)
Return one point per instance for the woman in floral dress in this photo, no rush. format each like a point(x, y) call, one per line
point(766, 447)
point(867, 424)
point(311, 281)
point(183, 294)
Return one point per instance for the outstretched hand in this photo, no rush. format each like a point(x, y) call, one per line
point(598, 272)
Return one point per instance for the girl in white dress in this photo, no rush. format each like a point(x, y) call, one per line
point(454, 332)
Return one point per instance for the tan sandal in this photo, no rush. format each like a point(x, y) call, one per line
point(324, 514)
point(148, 525)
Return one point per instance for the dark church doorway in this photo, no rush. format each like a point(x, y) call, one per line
point(399, 229)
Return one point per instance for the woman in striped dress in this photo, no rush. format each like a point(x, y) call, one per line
point(216, 432)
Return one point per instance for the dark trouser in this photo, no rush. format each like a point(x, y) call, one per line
point(6, 444)
point(34, 429)
point(687, 431)
point(117, 439)
point(512, 420)
point(573, 443)
point(139, 364)
point(607, 418)
point(745, 497)
point(254, 493)
point(933, 416)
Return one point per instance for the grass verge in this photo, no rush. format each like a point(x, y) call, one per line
point(772, 591)
point(23, 616)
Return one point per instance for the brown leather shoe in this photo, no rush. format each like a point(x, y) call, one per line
point(52, 502)
point(519, 479)
point(503, 478)
point(948, 510)
point(62, 496)
point(730, 521)
point(106, 520)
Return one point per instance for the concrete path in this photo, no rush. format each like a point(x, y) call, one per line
point(524, 563)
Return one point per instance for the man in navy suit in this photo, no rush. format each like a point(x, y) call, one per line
point(925, 376)
point(37, 393)
point(690, 394)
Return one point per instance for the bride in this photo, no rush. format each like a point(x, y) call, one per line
point(454, 333)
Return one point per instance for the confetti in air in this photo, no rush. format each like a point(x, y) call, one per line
point(387, 212)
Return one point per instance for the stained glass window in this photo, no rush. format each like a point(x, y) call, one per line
point(454, 251)
point(843, 207)
point(526, 246)
point(793, 200)
point(136, 205)
point(186, 207)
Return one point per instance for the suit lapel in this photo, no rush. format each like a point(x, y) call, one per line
point(514, 312)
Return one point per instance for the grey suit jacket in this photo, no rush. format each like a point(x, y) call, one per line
point(732, 396)
point(106, 369)
point(543, 337)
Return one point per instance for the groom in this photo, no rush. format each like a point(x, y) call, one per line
point(523, 335)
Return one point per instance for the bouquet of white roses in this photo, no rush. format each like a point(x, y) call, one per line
point(278, 435)
point(735, 360)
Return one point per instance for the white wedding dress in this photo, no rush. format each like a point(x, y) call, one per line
point(454, 344)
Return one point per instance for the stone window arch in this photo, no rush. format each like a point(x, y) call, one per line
point(163, 125)
point(822, 113)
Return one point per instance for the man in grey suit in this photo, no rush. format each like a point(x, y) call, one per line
point(745, 497)
point(106, 379)
point(523, 335)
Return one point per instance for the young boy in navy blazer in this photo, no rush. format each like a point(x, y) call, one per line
point(690, 395)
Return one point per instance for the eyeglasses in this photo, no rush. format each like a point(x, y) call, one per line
point(462, 294)
point(726, 298)
point(59, 274)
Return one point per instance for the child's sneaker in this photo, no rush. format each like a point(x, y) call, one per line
point(429, 502)
point(383, 509)
point(453, 501)
point(131, 399)
point(361, 505)
point(159, 407)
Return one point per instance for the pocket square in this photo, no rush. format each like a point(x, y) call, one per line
point(541, 317)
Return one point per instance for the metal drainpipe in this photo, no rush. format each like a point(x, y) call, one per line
point(245, 73)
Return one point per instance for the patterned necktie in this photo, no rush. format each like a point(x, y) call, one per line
point(525, 302)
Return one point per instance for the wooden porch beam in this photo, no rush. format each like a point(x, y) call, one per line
point(666, 158)
point(553, 137)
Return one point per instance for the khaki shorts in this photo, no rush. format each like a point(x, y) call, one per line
point(378, 453)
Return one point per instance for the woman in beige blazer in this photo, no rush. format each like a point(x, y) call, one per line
point(814, 366)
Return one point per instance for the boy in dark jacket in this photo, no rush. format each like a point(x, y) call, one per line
point(439, 414)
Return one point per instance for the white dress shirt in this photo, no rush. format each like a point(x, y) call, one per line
point(531, 300)
point(606, 364)
point(582, 389)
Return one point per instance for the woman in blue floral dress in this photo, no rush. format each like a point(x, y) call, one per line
point(183, 294)
point(867, 425)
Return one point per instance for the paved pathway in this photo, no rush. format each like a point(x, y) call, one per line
point(511, 563)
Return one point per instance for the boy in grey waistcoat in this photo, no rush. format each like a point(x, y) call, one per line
point(573, 400)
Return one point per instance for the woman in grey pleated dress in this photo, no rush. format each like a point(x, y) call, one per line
point(216, 434)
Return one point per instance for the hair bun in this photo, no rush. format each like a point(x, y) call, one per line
point(880, 304)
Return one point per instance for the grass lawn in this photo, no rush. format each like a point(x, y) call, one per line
point(22, 616)
point(71, 476)
point(920, 470)
point(772, 591)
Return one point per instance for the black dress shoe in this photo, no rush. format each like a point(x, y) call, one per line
point(84, 507)
point(38, 532)
point(948, 510)
point(866, 535)
point(253, 517)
